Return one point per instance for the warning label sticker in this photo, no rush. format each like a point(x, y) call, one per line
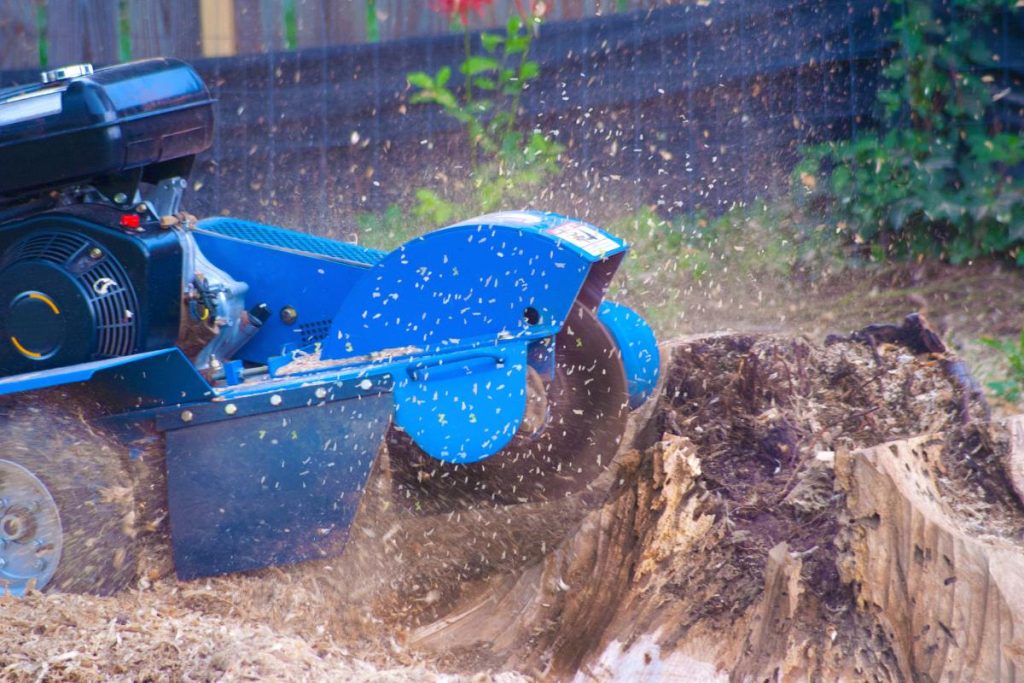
point(592, 241)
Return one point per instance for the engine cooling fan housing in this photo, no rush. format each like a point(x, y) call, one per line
point(63, 300)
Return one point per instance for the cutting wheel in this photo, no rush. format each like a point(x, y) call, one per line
point(574, 424)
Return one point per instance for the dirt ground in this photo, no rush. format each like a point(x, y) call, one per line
point(751, 528)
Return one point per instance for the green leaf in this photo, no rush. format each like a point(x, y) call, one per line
point(517, 44)
point(444, 97)
point(477, 65)
point(529, 70)
point(444, 75)
point(514, 25)
point(420, 79)
point(506, 75)
point(997, 344)
point(491, 41)
point(842, 180)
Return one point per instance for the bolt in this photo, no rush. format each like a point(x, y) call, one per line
point(275, 400)
point(120, 198)
point(289, 315)
point(186, 416)
point(95, 253)
point(321, 392)
point(12, 527)
point(231, 409)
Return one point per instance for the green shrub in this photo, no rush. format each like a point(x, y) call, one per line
point(937, 181)
point(1012, 386)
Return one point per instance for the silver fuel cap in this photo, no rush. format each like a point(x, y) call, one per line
point(66, 72)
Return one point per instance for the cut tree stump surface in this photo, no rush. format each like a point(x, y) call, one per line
point(783, 510)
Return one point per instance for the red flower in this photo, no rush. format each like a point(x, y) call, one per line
point(450, 7)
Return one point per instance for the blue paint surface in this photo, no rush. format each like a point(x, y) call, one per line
point(639, 348)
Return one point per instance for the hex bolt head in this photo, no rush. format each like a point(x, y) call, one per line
point(231, 409)
point(186, 416)
point(289, 315)
point(120, 198)
point(95, 253)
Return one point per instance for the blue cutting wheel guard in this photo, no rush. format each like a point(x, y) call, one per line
point(639, 348)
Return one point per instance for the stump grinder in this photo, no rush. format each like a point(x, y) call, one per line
point(268, 367)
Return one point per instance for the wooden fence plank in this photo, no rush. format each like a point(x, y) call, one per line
point(404, 18)
point(217, 22)
point(19, 35)
point(164, 28)
point(606, 7)
point(82, 31)
point(330, 22)
point(568, 9)
point(259, 26)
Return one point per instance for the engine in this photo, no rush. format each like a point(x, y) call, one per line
point(96, 257)
point(75, 286)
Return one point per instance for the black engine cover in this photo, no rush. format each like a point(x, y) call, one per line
point(75, 287)
point(121, 119)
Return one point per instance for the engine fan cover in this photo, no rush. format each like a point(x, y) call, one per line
point(63, 300)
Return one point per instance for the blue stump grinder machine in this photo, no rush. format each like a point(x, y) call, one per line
point(269, 368)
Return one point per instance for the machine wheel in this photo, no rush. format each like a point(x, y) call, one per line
point(66, 501)
point(569, 437)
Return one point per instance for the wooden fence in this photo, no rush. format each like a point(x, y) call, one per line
point(683, 107)
point(105, 31)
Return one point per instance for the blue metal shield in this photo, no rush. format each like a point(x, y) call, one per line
point(464, 406)
point(270, 488)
